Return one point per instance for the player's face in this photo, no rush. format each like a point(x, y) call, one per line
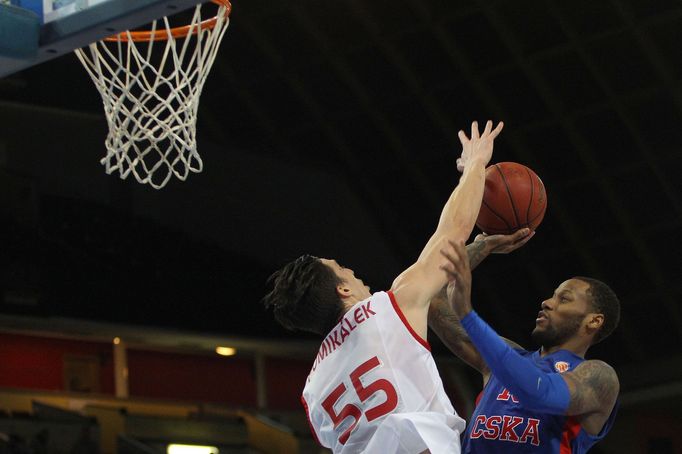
point(562, 315)
point(356, 285)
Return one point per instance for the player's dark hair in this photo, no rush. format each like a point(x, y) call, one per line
point(604, 301)
point(304, 296)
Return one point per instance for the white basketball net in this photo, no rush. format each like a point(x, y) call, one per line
point(150, 91)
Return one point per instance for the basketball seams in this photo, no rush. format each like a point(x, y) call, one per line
point(539, 215)
point(497, 215)
point(532, 195)
point(511, 199)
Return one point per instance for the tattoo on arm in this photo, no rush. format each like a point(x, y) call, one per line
point(445, 323)
point(476, 252)
point(593, 386)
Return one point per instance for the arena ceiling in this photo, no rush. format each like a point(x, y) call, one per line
point(330, 127)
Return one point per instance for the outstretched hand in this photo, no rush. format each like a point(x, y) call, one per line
point(504, 244)
point(457, 268)
point(478, 147)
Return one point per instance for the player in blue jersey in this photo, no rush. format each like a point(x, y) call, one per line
point(547, 401)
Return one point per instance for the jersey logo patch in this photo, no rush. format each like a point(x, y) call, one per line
point(506, 395)
point(561, 366)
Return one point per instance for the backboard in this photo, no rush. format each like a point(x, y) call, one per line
point(44, 29)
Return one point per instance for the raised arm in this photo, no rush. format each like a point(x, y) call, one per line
point(443, 320)
point(461, 210)
point(591, 388)
point(415, 287)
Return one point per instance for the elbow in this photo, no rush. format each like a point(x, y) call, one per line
point(537, 401)
point(551, 395)
point(522, 394)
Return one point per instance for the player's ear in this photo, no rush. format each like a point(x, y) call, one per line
point(594, 322)
point(343, 291)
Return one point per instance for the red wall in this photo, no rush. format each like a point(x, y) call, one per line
point(226, 380)
point(285, 379)
point(38, 363)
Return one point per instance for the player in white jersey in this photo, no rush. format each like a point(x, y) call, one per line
point(374, 386)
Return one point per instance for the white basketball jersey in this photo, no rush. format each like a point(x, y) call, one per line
point(374, 387)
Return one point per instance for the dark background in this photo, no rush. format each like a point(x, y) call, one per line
point(331, 128)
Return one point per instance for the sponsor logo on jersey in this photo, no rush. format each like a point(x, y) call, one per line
point(561, 366)
point(506, 395)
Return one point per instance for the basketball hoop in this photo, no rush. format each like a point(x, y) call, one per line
point(150, 82)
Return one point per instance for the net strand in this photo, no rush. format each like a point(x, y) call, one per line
point(150, 91)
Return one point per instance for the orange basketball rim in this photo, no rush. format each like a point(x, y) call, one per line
point(175, 32)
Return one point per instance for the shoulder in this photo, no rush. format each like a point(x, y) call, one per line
point(598, 370)
point(598, 376)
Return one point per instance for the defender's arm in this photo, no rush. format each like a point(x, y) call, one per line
point(415, 287)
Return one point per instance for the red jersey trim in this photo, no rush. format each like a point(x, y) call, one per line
point(478, 398)
point(310, 423)
point(405, 322)
point(571, 431)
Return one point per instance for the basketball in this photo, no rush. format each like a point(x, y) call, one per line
point(514, 197)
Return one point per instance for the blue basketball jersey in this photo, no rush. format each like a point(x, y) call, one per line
point(501, 424)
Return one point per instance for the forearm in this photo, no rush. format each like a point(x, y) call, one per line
point(537, 390)
point(477, 252)
point(461, 210)
point(445, 323)
point(459, 214)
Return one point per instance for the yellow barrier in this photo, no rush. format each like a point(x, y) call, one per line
point(107, 410)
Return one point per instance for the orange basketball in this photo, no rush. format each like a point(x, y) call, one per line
point(514, 198)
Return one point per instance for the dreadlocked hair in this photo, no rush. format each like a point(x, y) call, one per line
point(304, 296)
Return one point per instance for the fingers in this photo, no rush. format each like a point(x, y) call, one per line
point(477, 145)
point(525, 239)
point(460, 248)
point(520, 234)
point(474, 130)
point(480, 237)
point(515, 241)
point(463, 137)
point(456, 255)
point(453, 259)
point(488, 131)
point(452, 273)
point(488, 127)
point(497, 130)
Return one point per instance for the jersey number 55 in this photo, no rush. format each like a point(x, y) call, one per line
point(363, 392)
